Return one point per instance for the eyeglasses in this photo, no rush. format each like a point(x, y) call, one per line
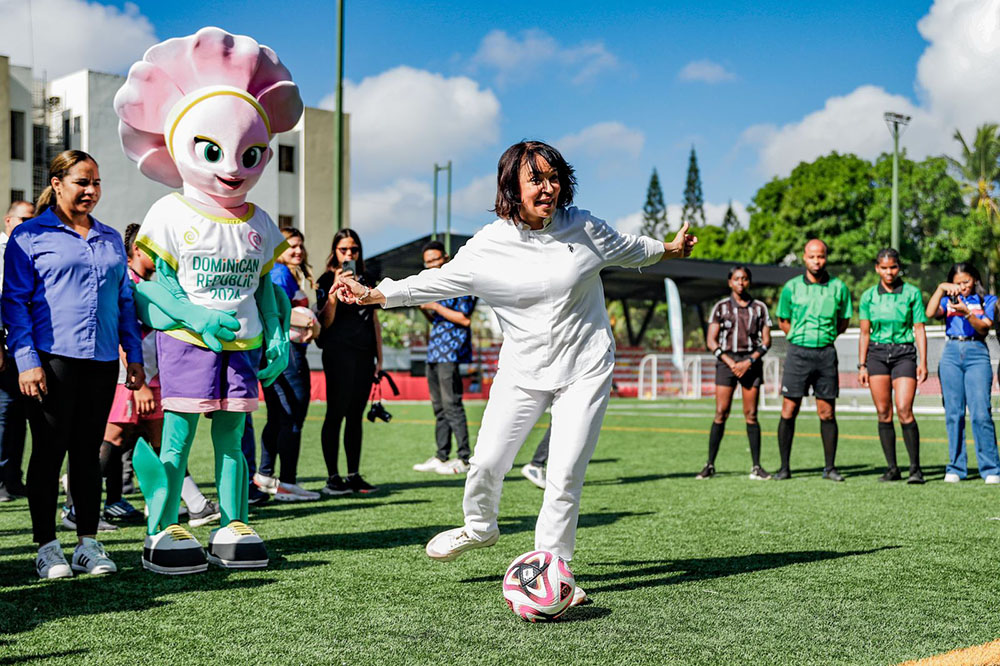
point(354, 249)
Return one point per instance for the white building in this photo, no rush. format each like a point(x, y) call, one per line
point(40, 119)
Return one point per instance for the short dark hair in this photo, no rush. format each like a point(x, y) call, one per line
point(131, 231)
point(433, 245)
point(888, 253)
point(740, 267)
point(508, 203)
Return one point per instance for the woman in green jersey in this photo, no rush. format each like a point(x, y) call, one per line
point(892, 319)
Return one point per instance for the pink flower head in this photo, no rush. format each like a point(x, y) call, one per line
point(202, 110)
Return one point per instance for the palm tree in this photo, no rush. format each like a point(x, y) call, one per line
point(979, 167)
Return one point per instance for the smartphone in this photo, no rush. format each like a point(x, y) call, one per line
point(350, 266)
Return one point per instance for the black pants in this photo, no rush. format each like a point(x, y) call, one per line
point(71, 418)
point(349, 374)
point(541, 456)
point(287, 402)
point(13, 426)
point(445, 384)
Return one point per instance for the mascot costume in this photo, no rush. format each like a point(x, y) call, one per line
point(198, 113)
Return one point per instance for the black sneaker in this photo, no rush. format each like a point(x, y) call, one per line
point(336, 486)
point(832, 474)
point(916, 476)
point(891, 474)
point(707, 472)
point(782, 474)
point(359, 485)
point(758, 473)
point(208, 514)
point(256, 496)
point(17, 488)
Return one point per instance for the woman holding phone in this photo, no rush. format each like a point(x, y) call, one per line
point(351, 339)
point(965, 371)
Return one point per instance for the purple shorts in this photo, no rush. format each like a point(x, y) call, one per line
point(195, 380)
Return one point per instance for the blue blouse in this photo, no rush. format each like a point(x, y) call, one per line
point(956, 325)
point(66, 295)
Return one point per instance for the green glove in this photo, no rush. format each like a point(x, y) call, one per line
point(163, 305)
point(275, 314)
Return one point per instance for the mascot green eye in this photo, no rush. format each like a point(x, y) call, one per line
point(252, 156)
point(211, 150)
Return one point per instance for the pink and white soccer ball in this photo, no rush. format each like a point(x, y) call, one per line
point(538, 586)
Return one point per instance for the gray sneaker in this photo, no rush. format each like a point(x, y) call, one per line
point(51, 563)
point(535, 474)
point(90, 557)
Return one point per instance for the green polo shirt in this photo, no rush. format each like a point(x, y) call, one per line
point(814, 309)
point(893, 313)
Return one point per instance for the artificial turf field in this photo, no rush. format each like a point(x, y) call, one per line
point(725, 571)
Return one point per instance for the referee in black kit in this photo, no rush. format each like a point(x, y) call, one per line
point(812, 311)
point(739, 334)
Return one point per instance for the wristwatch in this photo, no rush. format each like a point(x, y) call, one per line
point(862, 365)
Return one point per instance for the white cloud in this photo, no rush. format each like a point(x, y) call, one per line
point(602, 141)
point(406, 205)
point(958, 86)
point(405, 120)
point(705, 71)
point(523, 57)
point(73, 34)
point(714, 212)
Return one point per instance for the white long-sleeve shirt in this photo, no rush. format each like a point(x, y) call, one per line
point(544, 286)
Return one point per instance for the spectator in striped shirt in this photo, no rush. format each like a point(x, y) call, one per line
point(739, 334)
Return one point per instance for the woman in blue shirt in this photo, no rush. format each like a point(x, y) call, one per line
point(287, 398)
point(67, 305)
point(965, 371)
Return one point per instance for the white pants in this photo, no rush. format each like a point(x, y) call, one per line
point(577, 414)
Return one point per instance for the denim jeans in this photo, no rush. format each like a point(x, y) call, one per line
point(966, 377)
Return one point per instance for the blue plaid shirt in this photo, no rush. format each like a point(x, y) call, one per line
point(449, 342)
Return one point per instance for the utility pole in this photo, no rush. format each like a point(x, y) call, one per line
point(897, 123)
point(338, 119)
point(447, 235)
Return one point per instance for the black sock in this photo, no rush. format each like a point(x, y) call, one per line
point(911, 437)
point(786, 432)
point(887, 435)
point(714, 439)
point(828, 431)
point(753, 435)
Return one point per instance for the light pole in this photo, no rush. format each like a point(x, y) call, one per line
point(338, 119)
point(447, 235)
point(897, 123)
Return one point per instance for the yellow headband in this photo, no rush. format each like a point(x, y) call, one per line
point(188, 102)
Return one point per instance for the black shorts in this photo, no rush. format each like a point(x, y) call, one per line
point(808, 367)
point(893, 360)
point(753, 377)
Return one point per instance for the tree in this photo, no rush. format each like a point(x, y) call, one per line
point(654, 212)
point(730, 222)
point(979, 170)
point(694, 203)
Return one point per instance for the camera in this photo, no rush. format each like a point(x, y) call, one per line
point(377, 411)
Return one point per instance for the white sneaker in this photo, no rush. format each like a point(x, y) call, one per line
point(449, 544)
point(992, 480)
point(300, 491)
point(432, 464)
point(289, 492)
point(579, 596)
point(456, 466)
point(173, 551)
point(268, 484)
point(952, 478)
point(237, 546)
point(535, 474)
point(90, 557)
point(50, 561)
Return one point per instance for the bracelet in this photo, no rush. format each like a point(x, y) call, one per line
point(364, 296)
point(718, 352)
point(762, 349)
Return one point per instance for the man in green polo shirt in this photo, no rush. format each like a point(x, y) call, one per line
point(812, 311)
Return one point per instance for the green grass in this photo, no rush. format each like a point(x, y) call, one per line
point(680, 571)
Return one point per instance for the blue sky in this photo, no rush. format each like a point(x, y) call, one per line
point(606, 84)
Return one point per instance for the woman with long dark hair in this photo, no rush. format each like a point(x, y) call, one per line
point(892, 320)
point(67, 306)
point(538, 266)
point(352, 354)
point(965, 371)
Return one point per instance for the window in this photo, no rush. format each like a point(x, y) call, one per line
point(286, 221)
point(286, 158)
point(17, 135)
point(65, 137)
point(76, 124)
point(16, 195)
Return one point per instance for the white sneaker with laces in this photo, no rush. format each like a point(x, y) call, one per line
point(50, 561)
point(268, 484)
point(432, 464)
point(535, 474)
point(449, 544)
point(289, 492)
point(579, 596)
point(90, 557)
point(992, 480)
point(456, 466)
point(952, 478)
point(300, 491)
